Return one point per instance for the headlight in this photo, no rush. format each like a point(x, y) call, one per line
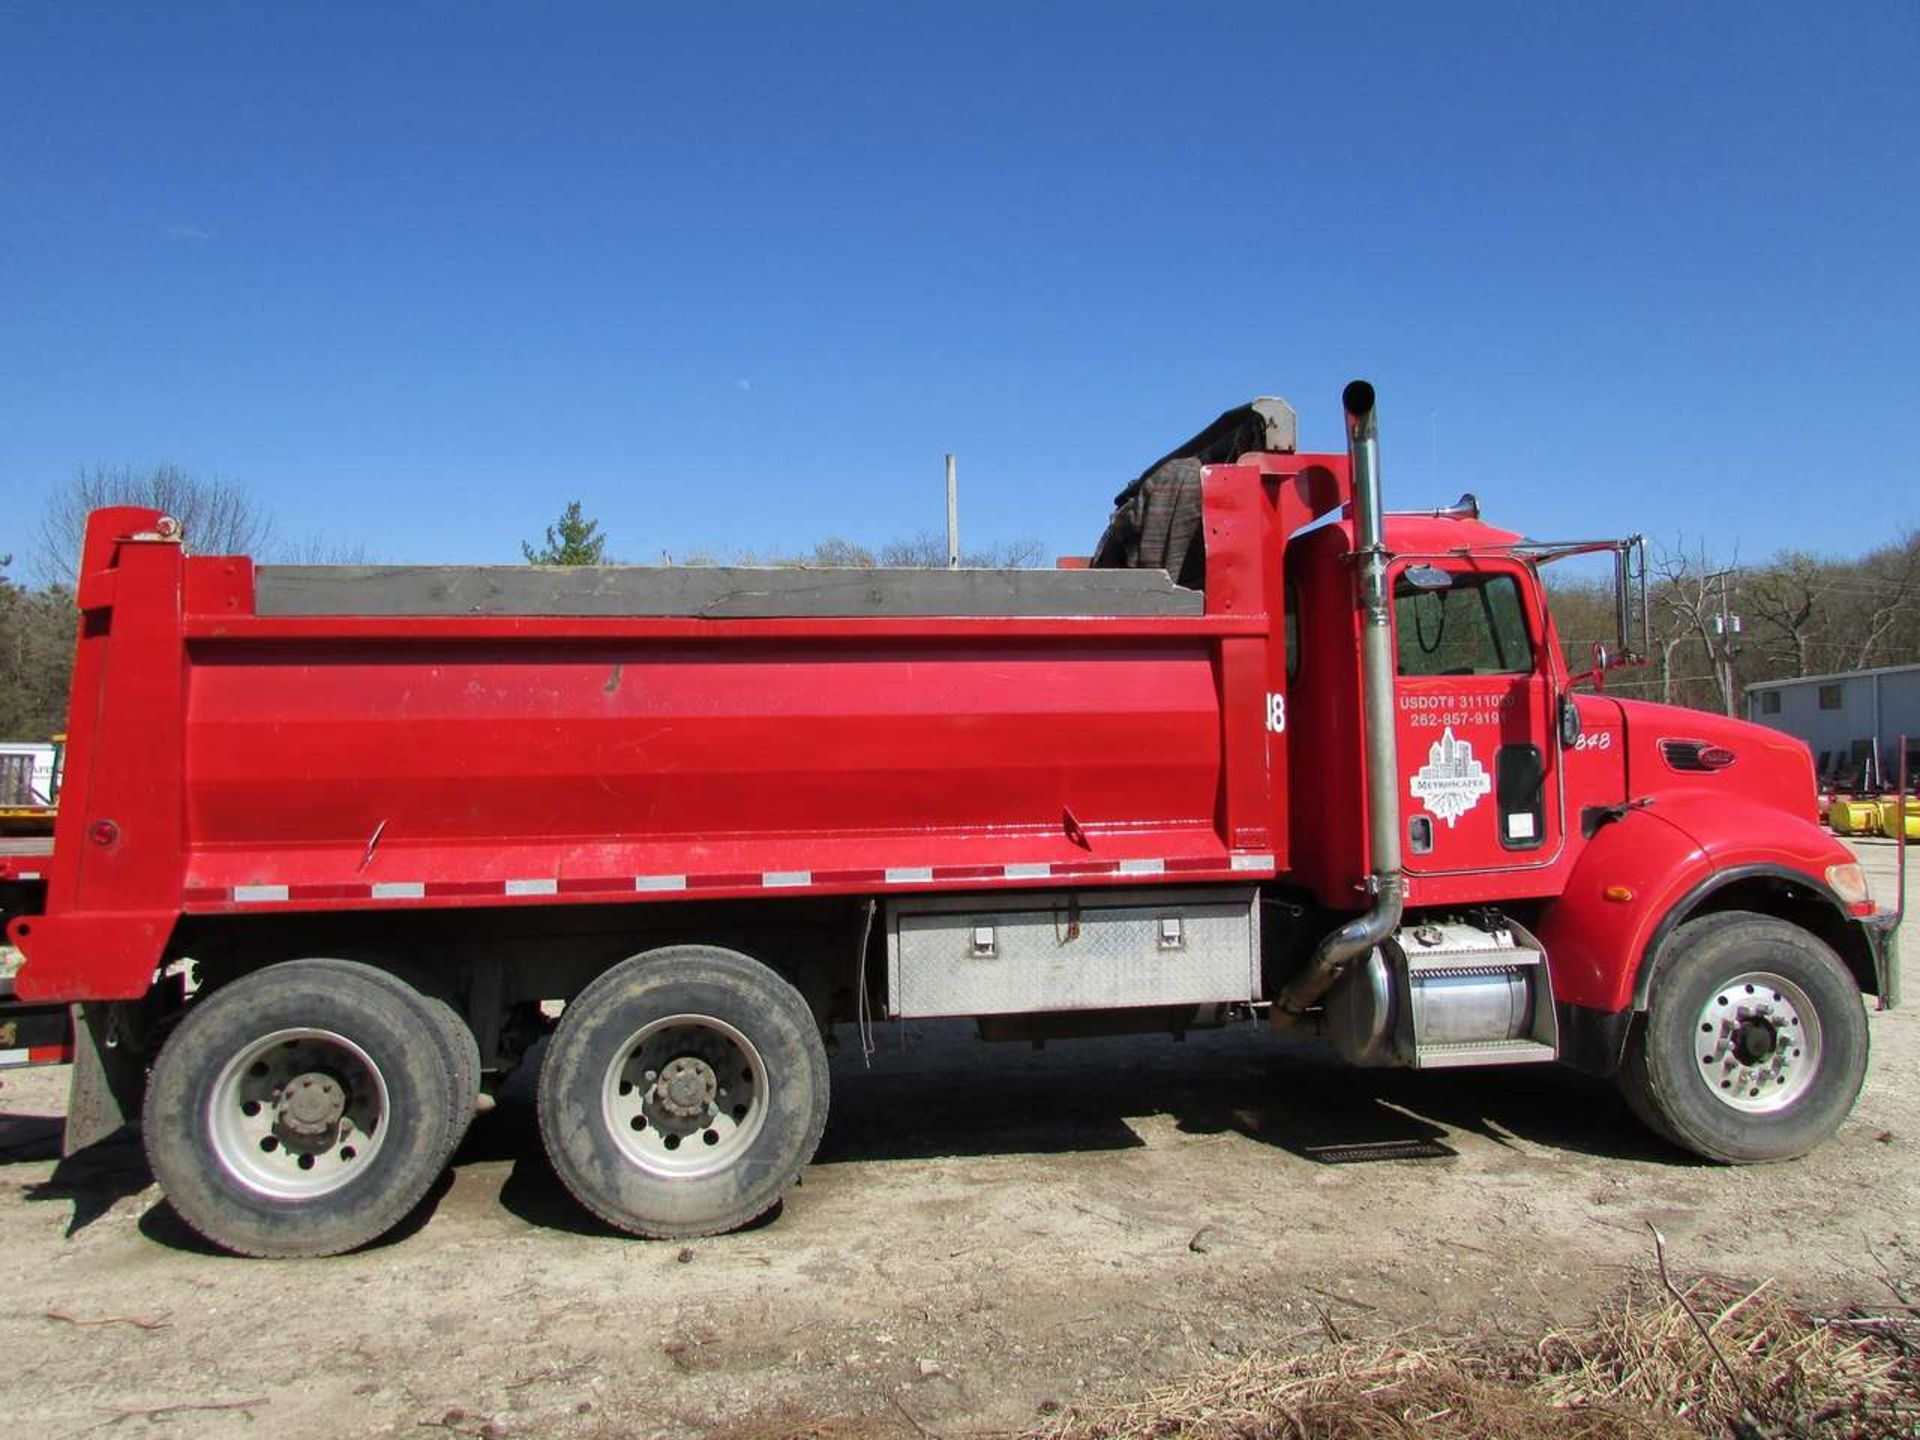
point(1849, 882)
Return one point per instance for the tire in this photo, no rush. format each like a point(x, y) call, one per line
point(1754, 1044)
point(341, 1073)
point(459, 1051)
point(683, 1092)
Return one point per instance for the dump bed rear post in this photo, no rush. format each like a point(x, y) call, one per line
point(113, 882)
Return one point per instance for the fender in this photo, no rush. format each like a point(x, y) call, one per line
point(1662, 861)
point(1779, 862)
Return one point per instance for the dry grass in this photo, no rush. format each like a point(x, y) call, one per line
point(1355, 1392)
point(787, 1422)
point(1639, 1370)
point(1789, 1369)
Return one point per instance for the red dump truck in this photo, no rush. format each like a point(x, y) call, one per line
point(337, 843)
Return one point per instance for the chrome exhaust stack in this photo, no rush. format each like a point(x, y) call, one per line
point(1385, 881)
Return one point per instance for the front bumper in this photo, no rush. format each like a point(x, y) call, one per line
point(1883, 941)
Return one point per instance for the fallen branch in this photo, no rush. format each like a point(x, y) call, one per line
point(1747, 1425)
point(159, 1322)
point(160, 1412)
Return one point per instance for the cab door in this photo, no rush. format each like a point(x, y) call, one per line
point(1479, 759)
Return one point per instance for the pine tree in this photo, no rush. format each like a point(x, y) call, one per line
point(576, 540)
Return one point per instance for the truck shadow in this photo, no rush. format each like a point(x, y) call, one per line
point(93, 1181)
point(933, 1091)
point(162, 1224)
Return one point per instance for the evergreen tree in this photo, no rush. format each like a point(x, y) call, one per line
point(576, 540)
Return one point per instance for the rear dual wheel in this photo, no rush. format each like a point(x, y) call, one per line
point(683, 1092)
point(306, 1108)
point(452, 1037)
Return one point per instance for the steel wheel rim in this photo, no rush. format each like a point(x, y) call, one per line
point(685, 1096)
point(1757, 1043)
point(298, 1113)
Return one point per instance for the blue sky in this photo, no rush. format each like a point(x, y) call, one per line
point(418, 275)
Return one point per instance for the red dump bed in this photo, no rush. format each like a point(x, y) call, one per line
point(248, 740)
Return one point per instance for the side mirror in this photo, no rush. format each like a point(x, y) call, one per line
point(1602, 661)
point(1569, 723)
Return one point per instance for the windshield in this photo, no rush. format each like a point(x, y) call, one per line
point(1475, 626)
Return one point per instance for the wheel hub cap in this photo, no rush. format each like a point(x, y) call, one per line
point(686, 1088)
point(312, 1105)
point(1758, 1042)
point(685, 1096)
point(1755, 1041)
point(297, 1113)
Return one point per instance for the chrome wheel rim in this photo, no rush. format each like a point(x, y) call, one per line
point(298, 1114)
point(685, 1096)
point(1757, 1043)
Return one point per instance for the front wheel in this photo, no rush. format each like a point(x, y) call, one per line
point(683, 1091)
point(1754, 1044)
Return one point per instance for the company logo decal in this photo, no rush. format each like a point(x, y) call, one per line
point(1452, 781)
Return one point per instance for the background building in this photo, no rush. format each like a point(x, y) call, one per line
point(1852, 722)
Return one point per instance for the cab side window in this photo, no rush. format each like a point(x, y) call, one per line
point(1292, 633)
point(1474, 626)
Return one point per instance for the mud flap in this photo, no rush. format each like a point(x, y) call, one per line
point(109, 1079)
point(1883, 938)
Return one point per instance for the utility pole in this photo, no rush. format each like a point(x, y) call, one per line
point(953, 517)
point(1726, 626)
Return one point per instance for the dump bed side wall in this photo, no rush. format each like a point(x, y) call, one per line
point(620, 759)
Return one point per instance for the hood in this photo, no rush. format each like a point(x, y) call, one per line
point(1665, 744)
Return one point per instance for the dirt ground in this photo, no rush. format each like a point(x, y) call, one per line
point(988, 1230)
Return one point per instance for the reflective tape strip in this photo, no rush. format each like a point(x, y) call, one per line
point(767, 880)
point(36, 1055)
point(29, 874)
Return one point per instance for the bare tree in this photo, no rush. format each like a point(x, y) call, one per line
point(1787, 600)
point(320, 549)
point(925, 551)
point(1886, 590)
point(1687, 601)
point(217, 517)
point(928, 551)
point(1814, 615)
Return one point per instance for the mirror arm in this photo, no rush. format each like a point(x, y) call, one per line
point(1622, 603)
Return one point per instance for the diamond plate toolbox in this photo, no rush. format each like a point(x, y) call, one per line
point(1110, 949)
